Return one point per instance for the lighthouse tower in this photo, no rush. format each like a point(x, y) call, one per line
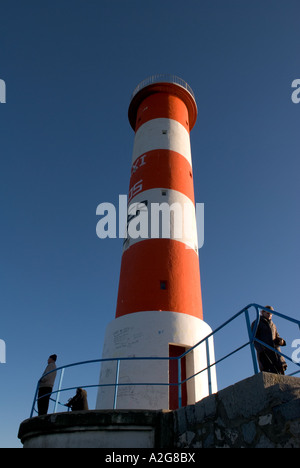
point(159, 308)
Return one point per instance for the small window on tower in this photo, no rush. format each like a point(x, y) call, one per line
point(164, 193)
point(163, 285)
point(164, 132)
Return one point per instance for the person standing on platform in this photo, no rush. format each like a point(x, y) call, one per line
point(45, 385)
point(268, 360)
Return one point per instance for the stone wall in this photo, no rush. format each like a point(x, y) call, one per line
point(262, 411)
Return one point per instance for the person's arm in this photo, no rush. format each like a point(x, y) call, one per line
point(278, 340)
point(48, 380)
point(44, 379)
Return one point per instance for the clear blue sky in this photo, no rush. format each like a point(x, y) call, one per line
point(65, 146)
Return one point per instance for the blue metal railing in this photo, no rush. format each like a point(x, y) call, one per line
point(117, 384)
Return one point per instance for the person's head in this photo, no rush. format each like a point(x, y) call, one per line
point(81, 392)
point(267, 313)
point(52, 358)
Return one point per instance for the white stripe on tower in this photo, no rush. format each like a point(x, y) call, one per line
point(163, 214)
point(165, 134)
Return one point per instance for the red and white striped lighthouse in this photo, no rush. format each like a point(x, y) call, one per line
point(159, 307)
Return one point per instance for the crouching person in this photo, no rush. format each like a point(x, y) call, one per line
point(79, 401)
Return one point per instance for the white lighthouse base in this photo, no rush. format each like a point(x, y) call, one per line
point(150, 334)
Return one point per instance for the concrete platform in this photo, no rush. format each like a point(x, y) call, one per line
point(94, 429)
point(262, 411)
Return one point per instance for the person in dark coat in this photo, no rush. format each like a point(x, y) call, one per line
point(79, 401)
point(269, 361)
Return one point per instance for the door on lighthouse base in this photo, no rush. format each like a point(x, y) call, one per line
point(175, 351)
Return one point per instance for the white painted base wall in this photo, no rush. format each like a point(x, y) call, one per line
point(148, 334)
point(120, 437)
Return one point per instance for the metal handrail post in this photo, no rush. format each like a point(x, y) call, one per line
point(116, 384)
point(208, 367)
point(251, 339)
point(59, 388)
point(35, 398)
point(179, 383)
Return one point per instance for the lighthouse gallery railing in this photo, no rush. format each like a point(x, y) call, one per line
point(117, 384)
point(162, 78)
